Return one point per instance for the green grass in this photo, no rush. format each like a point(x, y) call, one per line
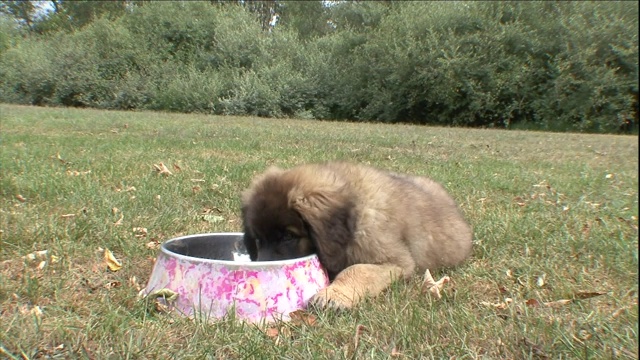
point(561, 207)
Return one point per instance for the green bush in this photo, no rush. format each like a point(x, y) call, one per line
point(546, 65)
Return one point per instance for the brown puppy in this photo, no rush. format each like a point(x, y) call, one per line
point(367, 226)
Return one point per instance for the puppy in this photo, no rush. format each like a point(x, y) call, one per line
point(367, 226)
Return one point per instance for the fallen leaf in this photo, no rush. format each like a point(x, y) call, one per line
point(196, 189)
point(302, 317)
point(41, 265)
point(433, 287)
point(112, 263)
point(119, 222)
point(36, 311)
point(133, 282)
point(160, 306)
point(540, 282)
point(162, 169)
point(153, 244)
point(395, 352)
point(272, 332)
point(587, 295)
point(60, 159)
point(520, 201)
point(558, 303)
point(40, 254)
point(532, 303)
point(140, 232)
point(21, 198)
point(500, 305)
point(114, 210)
point(617, 313)
point(176, 167)
point(609, 176)
point(112, 284)
point(78, 173)
point(356, 337)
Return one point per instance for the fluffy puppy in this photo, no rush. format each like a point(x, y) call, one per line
point(368, 226)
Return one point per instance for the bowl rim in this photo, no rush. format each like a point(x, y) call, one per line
point(247, 264)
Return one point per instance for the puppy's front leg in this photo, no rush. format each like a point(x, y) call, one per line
point(354, 283)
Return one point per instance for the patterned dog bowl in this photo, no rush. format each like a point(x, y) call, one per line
point(210, 275)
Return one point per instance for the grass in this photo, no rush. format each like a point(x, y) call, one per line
point(555, 217)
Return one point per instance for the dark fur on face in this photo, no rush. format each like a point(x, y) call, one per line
point(281, 234)
point(367, 226)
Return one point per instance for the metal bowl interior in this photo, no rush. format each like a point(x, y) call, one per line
point(220, 246)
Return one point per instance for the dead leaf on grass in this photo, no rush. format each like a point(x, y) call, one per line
point(558, 303)
point(162, 169)
point(153, 244)
point(133, 282)
point(196, 189)
point(587, 295)
point(302, 317)
point(112, 263)
point(433, 287)
point(520, 201)
point(356, 337)
point(501, 305)
point(127, 189)
point(119, 222)
point(21, 198)
point(272, 332)
point(140, 232)
point(40, 254)
point(532, 303)
point(112, 284)
point(395, 352)
point(78, 173)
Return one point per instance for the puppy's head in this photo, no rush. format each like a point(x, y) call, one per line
point(288, 214)
point(272, 229)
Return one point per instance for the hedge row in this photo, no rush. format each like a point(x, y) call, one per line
point(548, 65)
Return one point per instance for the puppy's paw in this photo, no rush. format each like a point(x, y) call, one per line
point(334, 297)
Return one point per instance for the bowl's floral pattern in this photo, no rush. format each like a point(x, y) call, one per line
point(260, 291)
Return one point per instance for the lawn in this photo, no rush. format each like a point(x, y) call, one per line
point(554, 271)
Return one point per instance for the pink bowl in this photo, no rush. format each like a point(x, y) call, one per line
point(213, 275)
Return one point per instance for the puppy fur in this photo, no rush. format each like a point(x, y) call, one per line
point(368, 226)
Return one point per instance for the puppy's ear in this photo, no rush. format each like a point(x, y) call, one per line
point(331, 218)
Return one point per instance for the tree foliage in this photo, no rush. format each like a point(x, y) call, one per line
point(545, 65)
